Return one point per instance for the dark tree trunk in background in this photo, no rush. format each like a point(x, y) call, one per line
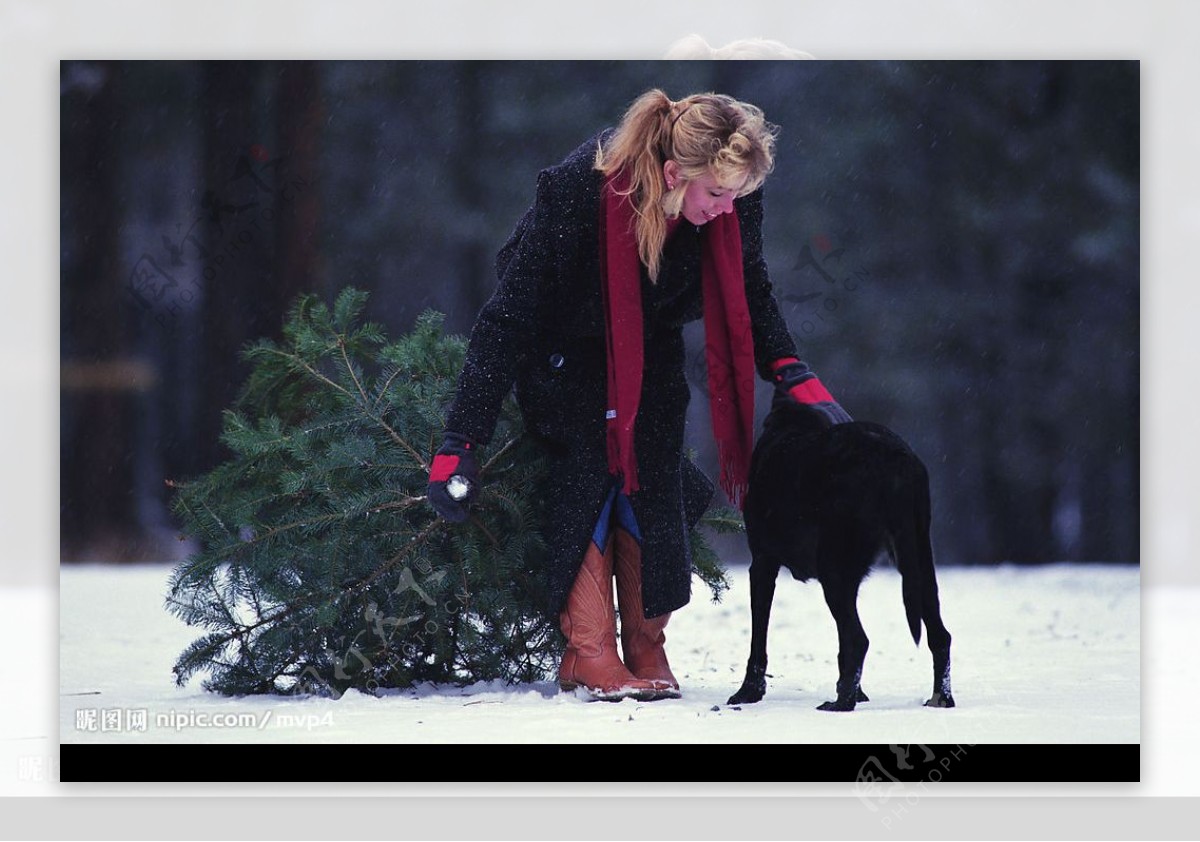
point(963, 353)
point(296, 198)
point(470, 189)
point(1043, 283)
point(237, 186)
point(99, 380)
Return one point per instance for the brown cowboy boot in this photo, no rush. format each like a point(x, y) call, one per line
point(641, 639)
point(590, 625)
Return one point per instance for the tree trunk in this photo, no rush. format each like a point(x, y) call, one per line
point(296, 200)
point(238, 304)
point(99, 379)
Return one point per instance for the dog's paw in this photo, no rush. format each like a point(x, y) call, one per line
point(940, 700)
point(840, 705)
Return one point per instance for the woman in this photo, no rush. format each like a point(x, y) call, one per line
point(638, 231)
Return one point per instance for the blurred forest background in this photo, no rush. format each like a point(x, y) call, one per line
point(954, 245)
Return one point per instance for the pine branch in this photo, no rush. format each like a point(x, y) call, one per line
point(383, 392)
point(508, 445)
point(341, 342)
point(396, 438)
point(318, 375)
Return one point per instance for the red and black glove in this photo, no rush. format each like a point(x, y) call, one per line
point(795, 381)
point(454, 478)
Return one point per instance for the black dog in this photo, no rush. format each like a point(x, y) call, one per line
point(824, 501)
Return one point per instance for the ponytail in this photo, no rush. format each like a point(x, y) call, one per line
point(640, 145)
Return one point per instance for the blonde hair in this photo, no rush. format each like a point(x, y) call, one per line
point(705, 134)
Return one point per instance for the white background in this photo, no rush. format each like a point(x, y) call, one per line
point(35, 34)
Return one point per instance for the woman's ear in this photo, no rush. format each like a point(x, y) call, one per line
point(671, 173)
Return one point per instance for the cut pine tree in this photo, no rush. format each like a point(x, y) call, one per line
point(321, 567)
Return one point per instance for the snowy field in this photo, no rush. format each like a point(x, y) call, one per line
point(1041, 655)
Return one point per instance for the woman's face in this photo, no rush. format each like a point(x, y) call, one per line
point(704, 198)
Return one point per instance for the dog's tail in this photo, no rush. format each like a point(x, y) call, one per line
point(912, 551)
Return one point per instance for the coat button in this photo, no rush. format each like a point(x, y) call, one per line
point(556, 360)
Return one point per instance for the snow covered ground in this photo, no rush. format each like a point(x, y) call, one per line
point(1045, 655)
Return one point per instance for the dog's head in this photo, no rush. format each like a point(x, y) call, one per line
point(794, 417)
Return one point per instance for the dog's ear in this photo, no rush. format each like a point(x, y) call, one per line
point(777, 413)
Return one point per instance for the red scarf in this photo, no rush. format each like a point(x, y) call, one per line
point(729, 344)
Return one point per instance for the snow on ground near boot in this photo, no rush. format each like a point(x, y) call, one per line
point(1040, 655)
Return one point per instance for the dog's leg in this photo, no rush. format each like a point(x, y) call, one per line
point(762, 593)
point(841, 595)
point(939, 645)
point(937, 636)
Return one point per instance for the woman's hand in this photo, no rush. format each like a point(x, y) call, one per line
point(454, 478)
point(796, 381)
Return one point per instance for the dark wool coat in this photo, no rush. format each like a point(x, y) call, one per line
point(543, 330)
